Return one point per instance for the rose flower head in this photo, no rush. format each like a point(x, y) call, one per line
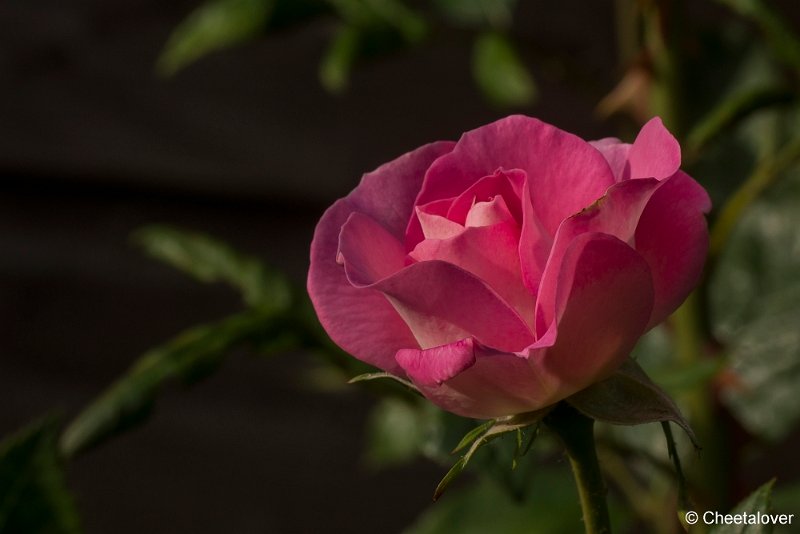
point(507, 271)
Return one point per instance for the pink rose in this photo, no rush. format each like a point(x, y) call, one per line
point(507, 271)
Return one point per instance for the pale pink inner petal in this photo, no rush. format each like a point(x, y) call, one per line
point(493, 211)
point(437, 227)
point(616, 154)
point(505, 183)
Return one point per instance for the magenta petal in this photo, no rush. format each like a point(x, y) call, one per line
point(535, 243)
point(604, 300)
point(655, 153)
point(471, 380)
point(442, 303)
point(505, 184)
point(616, 213)
point(387, 194)
point(431, 367)
point(368, 251)
point(673, 237)
point(490, 253)
point(360, 321)
point(565, 172)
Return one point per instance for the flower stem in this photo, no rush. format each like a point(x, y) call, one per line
point(576, 432)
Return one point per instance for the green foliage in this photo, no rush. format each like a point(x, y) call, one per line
point(399, 430)
point(779, 35)
point(210, 260)
point(334, 70)
point(500, 73)
point(478, 13)
point(129, 401)
point(629, 397)
point(198, 351)
point(758, 501)
point(550, 506)
point(758, 320)
point(482, 435)
point(213, 26)
point(729, 111)
point(375, 14)
point(33, 495)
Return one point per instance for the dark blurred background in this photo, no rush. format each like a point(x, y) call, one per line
point(246, 145)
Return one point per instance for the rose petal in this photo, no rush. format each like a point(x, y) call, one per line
point(489, 213)
point(535, 243)
point(360, 321)
point(616, 213)
point(655, 153)
point(471, 380)
point(387, 194)
point(604, 300)
point(593, 335)
point(490, 253)
point(442, 303)
point(616, 154)
point(431, 367)
point(368, 250)
point(565, 172)
point(437, 226)
point(507, 184)
point(672, 236)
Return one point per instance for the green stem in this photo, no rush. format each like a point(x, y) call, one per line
point(661, 39)
point(764, 175)
point(576, 432)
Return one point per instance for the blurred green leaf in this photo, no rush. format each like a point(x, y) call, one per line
point(334, 70)
point(760, 262)
point(731, 110)
point(629, 397)
point(765, 362)
point(33, 495)
point(551, 507)
point(210, 260)
point(215, 25)
point(497, 14)
point(780, 37)
point(374, 14)
point(189, 356)
point(758, 501)
point(786, 498)
point(398, 431)
point(655, 352)
point(500, 73)
point(753, 296)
